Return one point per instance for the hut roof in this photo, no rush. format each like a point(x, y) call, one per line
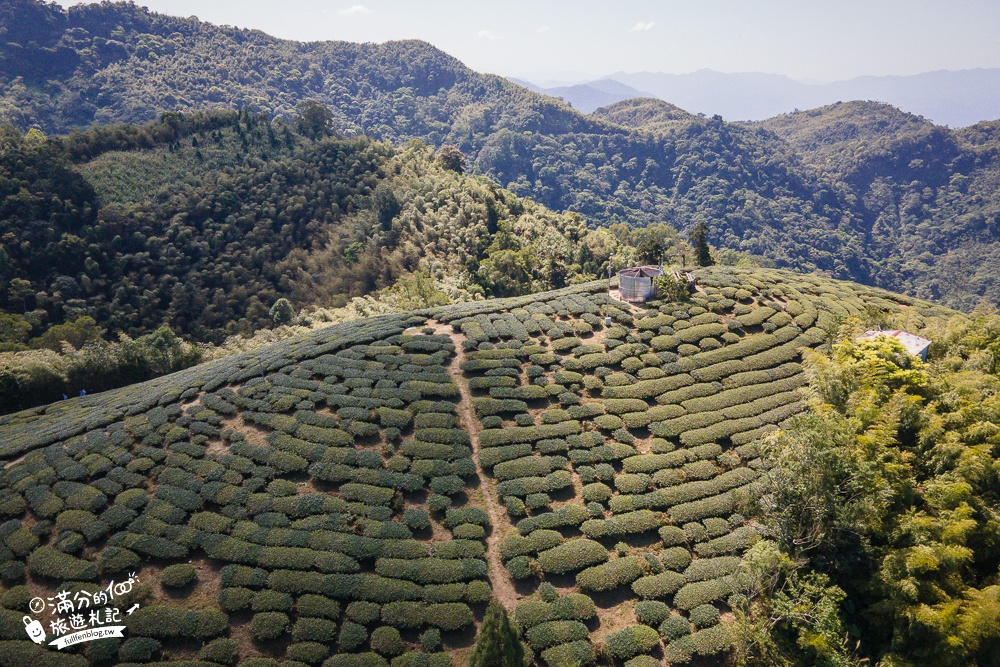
point(641, 272)
point(913, 343)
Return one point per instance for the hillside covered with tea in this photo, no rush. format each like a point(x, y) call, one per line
point(356, 495)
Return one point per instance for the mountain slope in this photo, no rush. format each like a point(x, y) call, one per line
point(954, 98)
point(758, 192)
point(589, 96)
point(395, 472)
point(530, 143)
point(926, 194)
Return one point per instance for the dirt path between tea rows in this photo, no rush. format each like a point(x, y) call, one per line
point(503, 586)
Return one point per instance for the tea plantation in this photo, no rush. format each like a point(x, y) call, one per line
point(354, 497)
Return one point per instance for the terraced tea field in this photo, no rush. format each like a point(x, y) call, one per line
point(354, 497)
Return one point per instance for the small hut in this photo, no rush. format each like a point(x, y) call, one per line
point(638, 284)
point(913, 343)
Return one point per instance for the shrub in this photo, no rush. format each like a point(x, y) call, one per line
point(529, 466)
point(579, 653)
point(314, 630)
point(608, 422)
point(356, 660)
point(138, 649)
point(477, 592)
point(368, 494)
point(739, 540)
point(539, 540)
point(317, 606)
point(448, 485)
point(438, 502)
point(161, 621)
point(548, 592)
point(631, 641)
point(702, 592)
point(352, 636)
point(448, 615)
point(530, 613)
point(48, 562)
point(632, 482)
point(596, 492)
point(567, 515)
point(675, 558)
point(551, 633)
point(712, 568)
point(430, 639)
point(674, 627)
point(469, 531)
point(572, 556)
point(268, 625)
point(719, 505)
point(643, 661)
point(178, 575)
point(117, 559)
point(716, 526)
point(387, 641)
point(222, 650)
point(17, 597)
point(363, 612)
point(403, 614)
point(623, 524)
point(651, 612)
point(308, 652)
point(468, 514)
point(416, 518)
point(704, 615)
point(612, 574)
point(235, 599)
point(658, 585)
point(240, 575)
point(268, 600)
point(711, 641)
point(515, 507)
point(259, 662)
point(521, 567)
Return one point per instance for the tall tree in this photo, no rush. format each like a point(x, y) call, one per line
point(315, 119)
point(497, 644)
point(699, 239)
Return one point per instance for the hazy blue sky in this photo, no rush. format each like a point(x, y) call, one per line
point(817, 40)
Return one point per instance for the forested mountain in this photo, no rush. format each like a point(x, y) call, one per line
point(957, 98)
point(927, 194)
point(858, 190)
point(118, 62)
point(222, 223)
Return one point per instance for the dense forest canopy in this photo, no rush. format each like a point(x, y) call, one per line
point(860, 190)
point(223, 223)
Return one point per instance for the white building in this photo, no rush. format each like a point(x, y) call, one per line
point(913, 343)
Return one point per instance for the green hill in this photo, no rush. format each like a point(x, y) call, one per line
point(645, 113)
point(858, 189)
point(120, 63)
point(925, 194)
point(363, 490)
point(203, 222)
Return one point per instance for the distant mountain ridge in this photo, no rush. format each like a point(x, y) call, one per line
point(860, 190)
point(954, 98)
point(590, 96)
